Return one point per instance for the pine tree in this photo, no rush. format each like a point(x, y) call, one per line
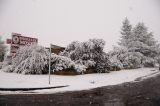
point(143, 41)
point(158, 55)
point(126, 32)
point(138, 40)
point(2, 49)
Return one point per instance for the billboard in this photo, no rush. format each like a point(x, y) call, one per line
point(14, 49)
point(8, 41)
point(18, 40)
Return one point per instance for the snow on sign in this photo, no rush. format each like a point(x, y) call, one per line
point(22, 40)
point(18, 40)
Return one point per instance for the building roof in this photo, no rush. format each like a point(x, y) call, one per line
point(56, 47)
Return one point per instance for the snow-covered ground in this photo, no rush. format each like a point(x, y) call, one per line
point(79, 82)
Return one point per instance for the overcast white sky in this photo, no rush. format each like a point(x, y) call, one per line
point(62, 21)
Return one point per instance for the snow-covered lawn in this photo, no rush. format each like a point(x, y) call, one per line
point(79, 82)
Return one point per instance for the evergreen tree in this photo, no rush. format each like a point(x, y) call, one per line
point(142, 40)
point(2, 49)
point(158, 55)
point(138, 40)
point(126, 32)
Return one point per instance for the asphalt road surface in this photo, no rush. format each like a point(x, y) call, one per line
point(142, 93)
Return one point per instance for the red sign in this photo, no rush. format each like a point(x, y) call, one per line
point(14, 49)
point(19, 40)
point(8, 41)
point(22, 40)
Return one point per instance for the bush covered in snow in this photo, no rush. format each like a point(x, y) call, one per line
point(3, 49)
point(157, 58)
point(89, 53)
point(8, 68)
point(7, 61)
point(133, 60)
point(59, 63)
point(1, 65)
point(34, 59)
point(149, 62)
point(31, 60)
point(121, 58)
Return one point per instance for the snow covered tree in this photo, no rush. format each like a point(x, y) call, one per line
point(89, 54)
point(34, 59)
point(121, 58)
point(1, 65)
point(31, 60)
point(2, 49)
point(7, 61)
point(102, 64)
point(8, 68)
point(139, 41)
point(59, 63)
point(144, 42)
point(126, 32)
point(116, 57)
point(158, 56)
point(138, 38)
point(132, 60)
point(70, 50)
point(115, 63)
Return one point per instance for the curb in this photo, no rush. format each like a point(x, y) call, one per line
point(28, 89)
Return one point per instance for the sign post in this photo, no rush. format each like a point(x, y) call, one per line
point(49, 63)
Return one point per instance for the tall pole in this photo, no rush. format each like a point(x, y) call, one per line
point(49, 63)
point(11, 50)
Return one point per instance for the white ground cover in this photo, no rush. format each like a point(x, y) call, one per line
point(79, 82)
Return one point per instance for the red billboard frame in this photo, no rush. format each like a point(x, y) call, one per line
point(18, 39)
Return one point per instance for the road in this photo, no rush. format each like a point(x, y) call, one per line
point(142, 93)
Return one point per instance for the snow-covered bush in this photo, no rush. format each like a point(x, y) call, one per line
point(86, 63)
point(89, 53)
point(102, 64)
point(121, 58)
point(31, 60)
point(116, 58)
point(59, 63)
point(80, 68)
point(132, 60)
point(7, 61)
point(158, 61)
point(157, 58)
point(34, 59)
point(115, 63)
point(3, 49)
point(8, 68)
point(1, 65)
point(149, 62)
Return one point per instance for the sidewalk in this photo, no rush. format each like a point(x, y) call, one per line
point(28, 89)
